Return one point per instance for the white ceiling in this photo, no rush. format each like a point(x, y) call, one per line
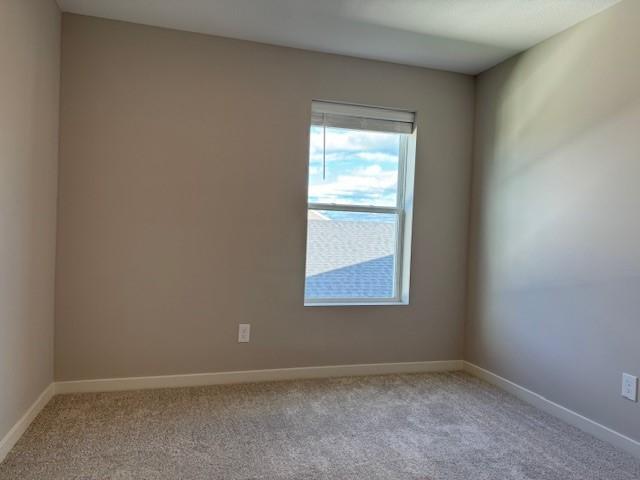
point(466, 36)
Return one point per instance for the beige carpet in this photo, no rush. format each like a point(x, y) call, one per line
point(426, 426)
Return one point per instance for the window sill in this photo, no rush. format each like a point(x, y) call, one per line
point(355, 304)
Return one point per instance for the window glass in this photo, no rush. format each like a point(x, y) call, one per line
point(350, 255)
point(353, 167)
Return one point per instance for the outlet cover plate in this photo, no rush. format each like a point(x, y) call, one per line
point(244, 332)
point(630, 387)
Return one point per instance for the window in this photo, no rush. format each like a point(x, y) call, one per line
point(361, 163)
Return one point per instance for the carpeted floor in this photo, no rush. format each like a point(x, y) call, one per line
point(426, 426)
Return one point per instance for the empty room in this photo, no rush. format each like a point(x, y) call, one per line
point(320, 239)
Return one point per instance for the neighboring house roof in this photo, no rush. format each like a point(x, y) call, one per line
point(347, 259)
point(316, 215)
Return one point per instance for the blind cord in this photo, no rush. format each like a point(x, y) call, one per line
point(324, 147)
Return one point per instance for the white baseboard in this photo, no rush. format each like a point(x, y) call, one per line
point(12, 437)
point(248, 376)
point(569, 416)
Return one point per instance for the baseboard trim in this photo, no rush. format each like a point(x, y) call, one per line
point(249, 376)
point(13, 435)
point(569, 416)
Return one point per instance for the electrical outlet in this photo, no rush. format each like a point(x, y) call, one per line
point(244, 332)
point(630, 387)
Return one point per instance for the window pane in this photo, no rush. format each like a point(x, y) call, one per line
point(350, 255)
point(357, 168)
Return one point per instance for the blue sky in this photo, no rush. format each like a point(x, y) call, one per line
point(361, 167)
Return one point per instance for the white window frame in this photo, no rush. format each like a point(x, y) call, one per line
point(404, 201)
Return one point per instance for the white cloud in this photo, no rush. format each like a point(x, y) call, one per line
point(370, 146)
point(368, 186)
point(330, 157)
point(371, 170)
point(377, 157)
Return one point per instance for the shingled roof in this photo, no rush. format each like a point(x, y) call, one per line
point(349, 259)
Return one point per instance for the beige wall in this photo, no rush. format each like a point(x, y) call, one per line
point(556, 232)
point(183, 206)
point(29, 86)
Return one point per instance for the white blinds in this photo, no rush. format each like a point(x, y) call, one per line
point(356, 117)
